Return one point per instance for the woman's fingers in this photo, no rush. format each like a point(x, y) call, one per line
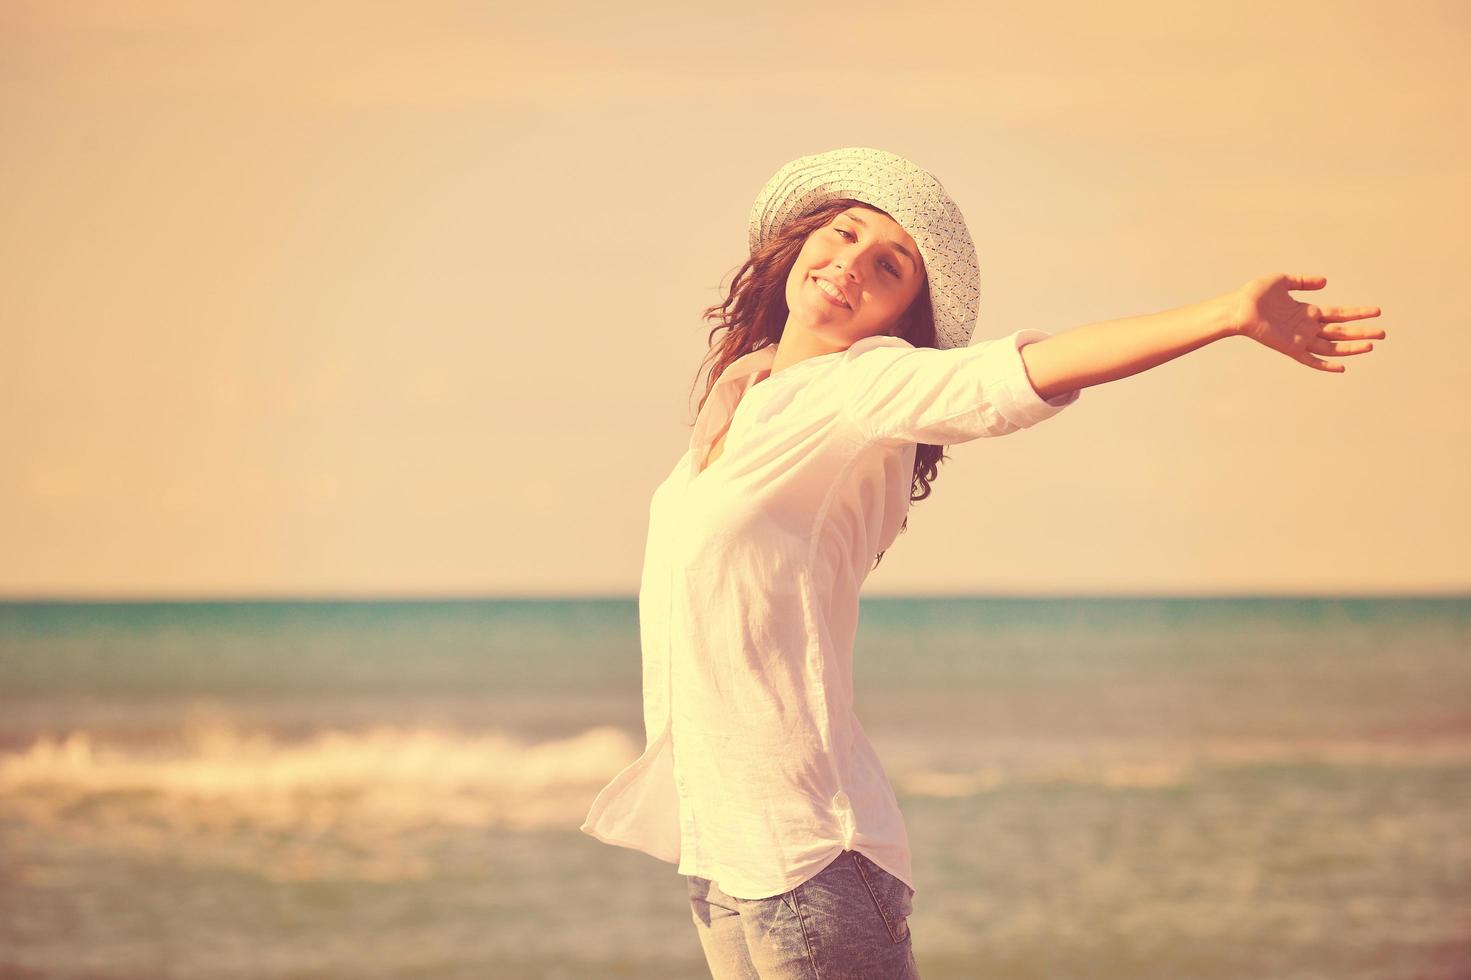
point(1338, 314)
point(1321, 364)
point(1330, 348)
point(1331, 332)
point(1305, 281)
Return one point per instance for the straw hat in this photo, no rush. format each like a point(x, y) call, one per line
point(911, 196)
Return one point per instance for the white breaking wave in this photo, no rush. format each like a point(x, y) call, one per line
point(375, 803)
point(401, 778)
point(362, 803)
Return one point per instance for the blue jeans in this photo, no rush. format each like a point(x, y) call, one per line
point(850, 921)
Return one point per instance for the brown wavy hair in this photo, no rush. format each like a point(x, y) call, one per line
point(755, 312)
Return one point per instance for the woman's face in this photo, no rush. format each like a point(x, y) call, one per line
point(873, 266)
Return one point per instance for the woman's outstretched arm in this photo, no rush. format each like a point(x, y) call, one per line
point(1261, 309)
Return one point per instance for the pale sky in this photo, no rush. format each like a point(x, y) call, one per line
point(369, 299)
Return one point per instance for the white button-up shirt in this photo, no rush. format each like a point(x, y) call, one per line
point(756, 772)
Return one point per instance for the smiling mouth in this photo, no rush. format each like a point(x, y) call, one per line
point(827, 295)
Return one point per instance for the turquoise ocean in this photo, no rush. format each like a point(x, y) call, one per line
point(1242, 788)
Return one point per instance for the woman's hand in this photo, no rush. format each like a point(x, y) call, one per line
point(1265, 313)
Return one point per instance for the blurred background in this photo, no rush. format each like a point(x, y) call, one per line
point(344, 344)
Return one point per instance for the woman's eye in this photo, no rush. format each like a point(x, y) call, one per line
point(844, 232)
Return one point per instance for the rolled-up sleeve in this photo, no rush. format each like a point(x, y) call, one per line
point(900, 393)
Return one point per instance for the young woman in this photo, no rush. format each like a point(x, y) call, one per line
point(845, 368)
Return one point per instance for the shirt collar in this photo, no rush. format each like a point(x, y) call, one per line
point(747, 364)
point(762, 358)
